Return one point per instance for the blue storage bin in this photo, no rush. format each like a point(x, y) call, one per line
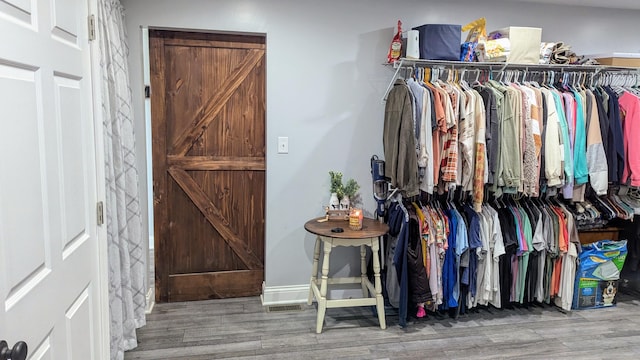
point(440, 41)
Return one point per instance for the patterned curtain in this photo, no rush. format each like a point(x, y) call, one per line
point(127, 255)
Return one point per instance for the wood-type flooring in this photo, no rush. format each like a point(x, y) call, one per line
point(242, 328)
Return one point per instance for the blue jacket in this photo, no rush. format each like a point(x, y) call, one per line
point(449, 277)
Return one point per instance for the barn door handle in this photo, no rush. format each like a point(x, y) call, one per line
point(19, 351)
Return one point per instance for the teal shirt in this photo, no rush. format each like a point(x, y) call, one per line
point(581, 171)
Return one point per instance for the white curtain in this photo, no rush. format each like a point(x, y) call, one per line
point(127, 255)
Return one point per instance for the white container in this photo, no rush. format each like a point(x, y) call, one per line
point(334, 202)
point(413, 44)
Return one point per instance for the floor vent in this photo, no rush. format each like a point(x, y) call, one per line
point(283, 308)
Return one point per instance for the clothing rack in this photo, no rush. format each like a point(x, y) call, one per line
point(404, 63)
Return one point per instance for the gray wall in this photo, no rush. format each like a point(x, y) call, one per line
point(325, 82)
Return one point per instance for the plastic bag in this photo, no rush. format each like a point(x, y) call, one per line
point(599, 267)
point(473, 49)
point(395, 49)
point(546, 50)
point(603, 260)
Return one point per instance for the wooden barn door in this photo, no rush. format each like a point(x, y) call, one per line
point(208, 128)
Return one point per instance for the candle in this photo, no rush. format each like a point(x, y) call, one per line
point(355, 219)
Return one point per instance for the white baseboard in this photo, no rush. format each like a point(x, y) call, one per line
point(151, 300)
point(278, 295)
point(296, 294)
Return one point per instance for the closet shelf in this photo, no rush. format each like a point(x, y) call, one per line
point(496, 66)
point(501, 65)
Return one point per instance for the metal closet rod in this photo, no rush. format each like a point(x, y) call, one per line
point(499, 67)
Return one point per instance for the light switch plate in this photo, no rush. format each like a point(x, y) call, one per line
point(283, 145)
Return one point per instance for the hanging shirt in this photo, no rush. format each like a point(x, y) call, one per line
point(462, 245)
point(630, 108)
point(492, 102)
point(507, 139)
point(530, 159)
point(524, 261)
point(449, 140)
point(449, 266)
point(496, 243)
point(438, 131)
point(474, 244)
point(481, 171)
point(596, 157)
point(399, 140)
point(564, 299)
point(483, 289)
point(537, 114)
point(570, 117)
point(581, 173)
point(615, 149)
point(425, 157)
point(466, 138)
point(553, 143)
point(511, 132)
point(566, 142)
point(417, 93)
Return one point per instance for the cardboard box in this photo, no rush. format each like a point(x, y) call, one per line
point(594, 293)
point(617, 59)
point(524, 44)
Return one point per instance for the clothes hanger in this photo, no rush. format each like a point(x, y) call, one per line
point(628, 86)
point(476, 82)
point(447, 74)
point(584, 81)
point(454, 78)
point(565, 81)
point(507, 77)
point(525, 73)
point(619, 81)
point(517, 74)
point(634, 87)
point(497, 202)
point(535, 81)
point(579, 84)
point(433, 73)
point(463, 82)
point(406, 73)
point(546, 75)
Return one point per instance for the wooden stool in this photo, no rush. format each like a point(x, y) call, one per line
point(370, 235)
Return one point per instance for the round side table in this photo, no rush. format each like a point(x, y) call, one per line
point(370, 235)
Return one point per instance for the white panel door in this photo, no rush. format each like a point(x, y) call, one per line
point(49, 288)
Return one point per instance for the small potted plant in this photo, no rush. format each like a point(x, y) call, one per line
point(350, 190)
point(337, 191)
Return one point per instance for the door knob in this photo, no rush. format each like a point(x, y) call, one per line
point(19, 351)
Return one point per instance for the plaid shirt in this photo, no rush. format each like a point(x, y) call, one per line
point(478, 178)
point(449, 163)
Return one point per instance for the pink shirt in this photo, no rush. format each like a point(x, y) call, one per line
point(630, 117)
